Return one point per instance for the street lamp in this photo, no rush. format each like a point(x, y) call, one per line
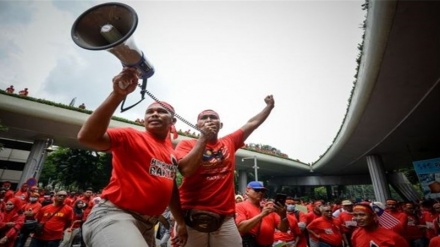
point(255, 165)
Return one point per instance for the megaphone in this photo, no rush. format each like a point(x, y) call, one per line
point(110, 27)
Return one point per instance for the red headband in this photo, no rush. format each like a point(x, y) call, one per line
point(212, 112)
point(364, 208)
point(170, 109)
point(164, 104)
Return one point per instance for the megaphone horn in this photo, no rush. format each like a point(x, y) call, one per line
point(110, 26)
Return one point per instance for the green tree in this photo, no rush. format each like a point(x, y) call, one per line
point(77, 168)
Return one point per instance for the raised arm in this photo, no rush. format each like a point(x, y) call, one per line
point(93, 132)
point(258, 119)
point(189, 164)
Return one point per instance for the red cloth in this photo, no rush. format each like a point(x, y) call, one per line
point(292, 233)
point(429, 219)
point(308, 217)
point(15, 216)
point(212, 186)
point(265, 229)
point(54, 227)
point(32, 206)
point(412, 229)
point(144, 169)
point(329, 230)
point(381, 237)
point(347, 222)
point(435, 242)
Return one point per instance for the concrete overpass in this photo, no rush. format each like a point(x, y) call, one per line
point(393, 117)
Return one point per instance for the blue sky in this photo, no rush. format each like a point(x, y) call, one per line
point(223, 55)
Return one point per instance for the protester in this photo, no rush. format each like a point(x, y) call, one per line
point(23, 193)
point(307, 218)
point(238, 198)
point(347, 222)
point(73, 232)
point(325, 230)
point(414, 230)
point(87, 198)
point(369, 233)
point(208, 166)
point(30, 210)
point(11, 223)
point(429, 216)
point(56, 217)
point(435, 242)
point(391, 207)
point(9, 192)
point(143, 172)
point(293, 237)
point(256, 222)
point(10, 89)
point(292, 204)
point(23, 92)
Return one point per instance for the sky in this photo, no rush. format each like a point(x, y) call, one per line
point(221, 55)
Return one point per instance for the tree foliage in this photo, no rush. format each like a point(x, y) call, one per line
point(77, 169)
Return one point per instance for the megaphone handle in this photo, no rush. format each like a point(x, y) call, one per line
point(143, 90)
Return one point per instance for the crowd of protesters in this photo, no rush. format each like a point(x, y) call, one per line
point(347, 223)
point(60, 213)
point(259, 220)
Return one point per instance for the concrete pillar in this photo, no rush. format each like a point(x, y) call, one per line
point(34, 163)
point(378, 178)
point(242, 181)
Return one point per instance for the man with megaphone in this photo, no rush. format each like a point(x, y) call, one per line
point(144, 168)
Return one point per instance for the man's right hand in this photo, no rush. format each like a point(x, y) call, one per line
point(126, 81)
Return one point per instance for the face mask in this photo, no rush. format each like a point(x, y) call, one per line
point(33, 199)
point(290, 208)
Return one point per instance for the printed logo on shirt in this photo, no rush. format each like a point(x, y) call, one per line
point(162, 169)
point(214, 166)
point(213, 157)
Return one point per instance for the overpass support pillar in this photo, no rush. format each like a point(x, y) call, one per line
point(242, 181)
point(34, 163)
point(378, 178)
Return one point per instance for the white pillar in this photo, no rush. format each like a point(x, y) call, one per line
point(242, 181)
point(34, 163)
point(378, 178)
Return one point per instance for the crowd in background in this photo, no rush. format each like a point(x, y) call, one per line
point(314, 223)
point(60, 212)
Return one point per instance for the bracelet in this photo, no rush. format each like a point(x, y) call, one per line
point(284, 219)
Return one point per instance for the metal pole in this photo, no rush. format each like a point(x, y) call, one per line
point(255, 168)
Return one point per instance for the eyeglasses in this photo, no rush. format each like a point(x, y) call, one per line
point(327, 211)
point(9, 204)
point(61, 195)
point(260, 190)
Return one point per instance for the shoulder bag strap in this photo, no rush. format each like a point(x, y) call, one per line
point(53, 214)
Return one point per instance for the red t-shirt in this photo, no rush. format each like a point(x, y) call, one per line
point(412, 229)
point(263, 230)
point(32, 206)
point(54, 227)
point(293, 231)
point(381, 237)
point(211, 188)
point(434, 242)
point(329, 230)
point(347, 222)
point(144, 169)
